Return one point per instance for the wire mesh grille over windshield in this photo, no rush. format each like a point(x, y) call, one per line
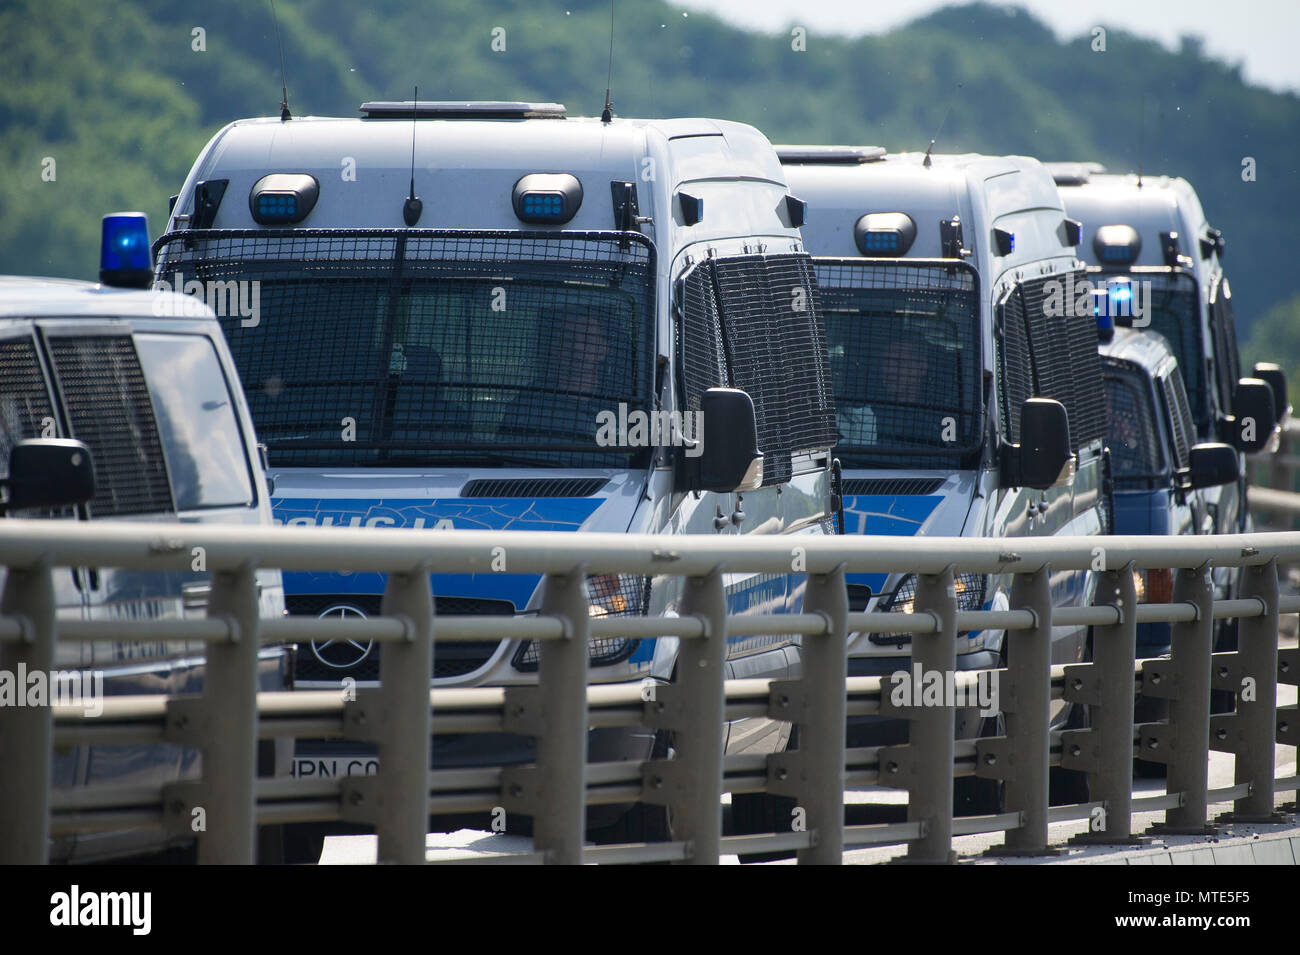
point(422, 346)
point(752, 322)
point(905, 360)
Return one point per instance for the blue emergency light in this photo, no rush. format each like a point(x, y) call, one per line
point(547, 198)
point(124, 256)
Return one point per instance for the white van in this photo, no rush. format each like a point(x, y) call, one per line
point(142, 386)
point(946, 285)
point(1149, 238)
point(494, 316)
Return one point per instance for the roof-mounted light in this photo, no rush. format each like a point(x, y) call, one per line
point(1117, 244)
point(1112, 305)
point(487, 109)
point(829, 155)
point(1073, 173)
point(283, 198)
point(884, 234)
point(124, 258)
point(547, 198)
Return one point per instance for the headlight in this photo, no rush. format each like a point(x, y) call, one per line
point(610, 595)
point(969, 589)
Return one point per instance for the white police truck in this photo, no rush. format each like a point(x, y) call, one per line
point(122, 404)
point(967, 384)
point(1148, 243)
point(494, 316)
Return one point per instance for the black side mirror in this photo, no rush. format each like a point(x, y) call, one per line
point(1276, 378)
point(1253, 416)
point(726, 457)
point(1043, 458)
point(47, 472)
point(1210, 465)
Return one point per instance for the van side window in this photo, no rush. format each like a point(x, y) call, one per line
point(1063, 355)
point(751, 322)
point(201, 437)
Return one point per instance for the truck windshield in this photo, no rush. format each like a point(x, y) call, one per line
point(905, 360)
point(456, 348)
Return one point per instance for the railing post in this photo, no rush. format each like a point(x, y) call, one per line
point(814, 773)
point(222, 806)
point(1025, 751)
point(932, 731)
point(1251, 732)
point(554, 790)
point(1183, 741)
point(396, 716)
point(1107, 685)
point(27, 732)
point(694, 707)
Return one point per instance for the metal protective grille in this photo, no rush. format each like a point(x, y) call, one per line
point(891, 486)
point(1181, 416)
point(1135, 447)
point(109, 408)
point(1227, 365)
point(533, 487)
point(24, 398)
point(904, 347)
point(410, 347)
point(752, 322)
point(1015, 369)
point(1064, 353)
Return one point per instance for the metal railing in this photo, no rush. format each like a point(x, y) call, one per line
point(1273, 497)
point(399, 714)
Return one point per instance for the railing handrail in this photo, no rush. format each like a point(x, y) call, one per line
point(395, 550)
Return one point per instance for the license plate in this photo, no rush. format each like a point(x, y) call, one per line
point(328, 767)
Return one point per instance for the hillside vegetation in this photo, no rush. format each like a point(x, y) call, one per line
point(121, 101)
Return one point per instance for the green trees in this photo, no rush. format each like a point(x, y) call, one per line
point(120, 98)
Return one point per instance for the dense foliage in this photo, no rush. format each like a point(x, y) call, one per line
point(121, 100)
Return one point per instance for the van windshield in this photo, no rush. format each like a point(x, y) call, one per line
point(1132, 428)
point(1175, 314)
point(905, 360)
point(453, 348)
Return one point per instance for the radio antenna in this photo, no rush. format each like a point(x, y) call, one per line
point(412, 208)
point(284, 84)
point(607, 113)
point(926, 162)
point(1142, 128)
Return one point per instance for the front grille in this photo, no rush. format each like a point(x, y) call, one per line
point(533, 487)
point(891, 486)
point(109, 408)
point(450, 659)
